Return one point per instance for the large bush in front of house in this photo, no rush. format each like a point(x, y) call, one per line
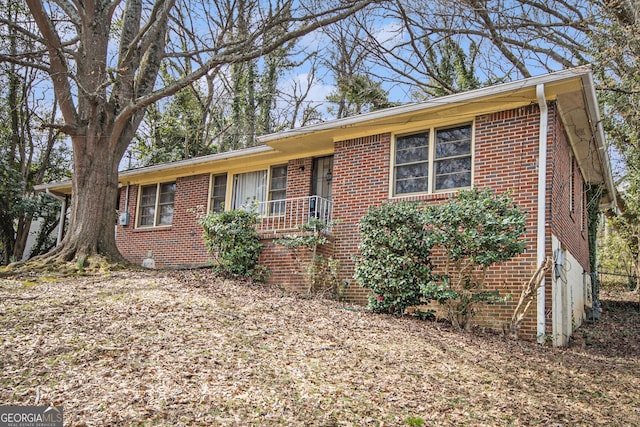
point(233, 241)
point(475, 229)
point(395, 252)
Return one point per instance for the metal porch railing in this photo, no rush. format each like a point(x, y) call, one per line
point(292, 214)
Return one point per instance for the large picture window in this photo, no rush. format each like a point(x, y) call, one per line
point(433, 160)
point(156, 204)
point(249, 188)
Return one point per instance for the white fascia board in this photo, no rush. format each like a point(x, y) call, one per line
point(599, 135)
point(169, 166)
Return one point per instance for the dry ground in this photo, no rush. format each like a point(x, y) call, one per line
point(184, 348)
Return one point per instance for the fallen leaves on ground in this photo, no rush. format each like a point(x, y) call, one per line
point(185, 348)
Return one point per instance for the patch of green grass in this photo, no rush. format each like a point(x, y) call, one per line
point(415, 421)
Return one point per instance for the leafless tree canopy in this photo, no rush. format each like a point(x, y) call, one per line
point(503, 39)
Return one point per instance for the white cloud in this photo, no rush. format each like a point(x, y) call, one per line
point(389, 35)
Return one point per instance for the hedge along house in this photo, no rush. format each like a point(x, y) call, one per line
point(539, 138)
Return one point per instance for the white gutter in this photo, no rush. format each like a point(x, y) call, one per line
point(196, 161)
point(599, 136)
point(457, 98)
point(542, 206)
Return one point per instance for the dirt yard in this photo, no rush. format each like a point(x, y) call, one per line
point(187, 349)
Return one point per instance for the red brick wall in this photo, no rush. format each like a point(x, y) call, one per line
point(287, 266)
point(506, 149)
point(568, 225)
point(505, 159)
point(360, 180)
point(181, 243)
point(299, 177)
point(178, 244)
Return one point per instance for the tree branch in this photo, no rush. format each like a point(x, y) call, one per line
point(58, 69)
point(244, 51)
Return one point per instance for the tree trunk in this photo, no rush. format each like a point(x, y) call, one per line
point(93, 203)
point(637, 272)
point(22, 234)
point(7, 241)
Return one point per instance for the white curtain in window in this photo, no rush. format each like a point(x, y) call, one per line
point(249, 188)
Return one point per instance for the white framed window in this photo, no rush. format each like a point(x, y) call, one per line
point(249, 188)
point(156, 204)
point(411, 168)
point(277, 189)
point(218, 192)
point(433, 160)
point(452, 160)
point(260, 186)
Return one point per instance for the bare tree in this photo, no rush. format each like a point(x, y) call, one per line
point(616, 41)
point(297, 109)
point(103, 59)
point(505, 39)
point(346, 59)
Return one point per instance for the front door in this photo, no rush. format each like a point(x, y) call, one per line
point(322, 177)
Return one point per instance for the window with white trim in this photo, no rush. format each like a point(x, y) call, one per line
point(432, 161)
point(218, 192)
point(156, 204)
point(278, 189)
point(249, 188)
point(411, 170)
point(453, 158)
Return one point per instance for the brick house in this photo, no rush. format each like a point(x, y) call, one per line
point(539, 138)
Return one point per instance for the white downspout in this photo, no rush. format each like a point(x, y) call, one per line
point(61, 221)
point(542, 202)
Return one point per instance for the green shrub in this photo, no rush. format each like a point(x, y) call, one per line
point(233, 241)
point(475, 229)
point(394, 261)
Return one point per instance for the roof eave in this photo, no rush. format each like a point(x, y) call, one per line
point(600, 140)
point(457, 98)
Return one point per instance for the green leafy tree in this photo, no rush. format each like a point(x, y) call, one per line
point(452, 69)
point(615, 260)
point(345, 56)
point(616, 49)
point(627, 227)
point(358, 94)
point(175, 131)
point(252, 85)
point(475, 230)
